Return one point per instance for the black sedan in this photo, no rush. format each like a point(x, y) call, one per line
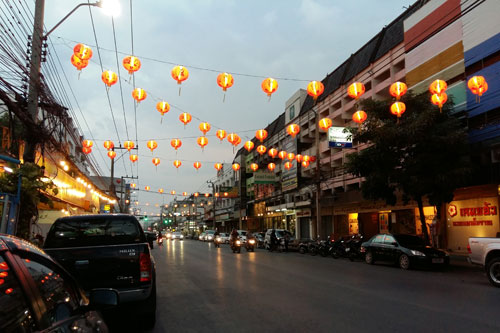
point(405, 250)
point(37, 294)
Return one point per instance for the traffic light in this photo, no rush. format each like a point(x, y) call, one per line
point(145, 218)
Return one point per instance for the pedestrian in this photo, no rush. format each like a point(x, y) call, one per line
point(287, 240)
point(274, 240)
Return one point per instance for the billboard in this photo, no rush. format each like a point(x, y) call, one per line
point(289, 179)
point(338, 137)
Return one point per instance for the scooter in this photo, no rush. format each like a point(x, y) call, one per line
point(217, 241)
point(160, 241)
point(250, 245)
point(236, 246)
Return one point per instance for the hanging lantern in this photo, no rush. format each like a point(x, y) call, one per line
point(221, 134)
point(290, 156)
point(162, 107)
point(184, 193)
point(111, 154)
point(225, 80)
point(298, 158)
point(234, 139)
point(172, 192)
point(139, 94)
point(129, 145)
point(236, 166)
point(179, 74)
point(359, 116)
point(398, 89)
point(271, 166)
point(269, 86)
point(109, 78)
point(305, 164)
point(152, 145)
point(207, 195)
point(147, 188)
point(196, 194)
point(254, 167)
point(108, 144)
point(478, 86)
point(355, 90)
point(133, 185)
point(134, 158)
point(315, 89)
point(325, 124)
point(86, 150)
point(282, 154)
point(132, 64)
point(438, 87)
point(261, 149)
point(218, 166)
point(288, 165)
point(439, 99)
point(273, 152)
point(197, 165)
point(82, 51)
point(313, 158)
point(176, 143)
point(177, 164)
point(293, 130)
point(248, 145)
point(204, 128)
point(79, 63)
point(261, 135)
point(160, 190)
point(202, 142)
point(398, 108)
point(217, 195)
point(87, 143)
point(306, 158)
point(185, 118)
point(156, 161)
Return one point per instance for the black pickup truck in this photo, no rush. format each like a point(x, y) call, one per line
point(108, 251)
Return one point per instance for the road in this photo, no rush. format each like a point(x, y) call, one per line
point(205, 289)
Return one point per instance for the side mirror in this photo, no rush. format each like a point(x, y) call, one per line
point(104, 298)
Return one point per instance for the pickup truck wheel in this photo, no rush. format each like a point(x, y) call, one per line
point(369, 258)
point(493, 271)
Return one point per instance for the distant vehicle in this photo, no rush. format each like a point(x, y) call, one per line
point(108, 251)
point(168, 235)
point(243, 235)
point(259, 238)
point(405, 250)
point(202, 236)
point(280, 233)
point(486, 252)
point(177, 235)
point(209, 235)
point(151, 237)
point(37, 294)
point(224, 237)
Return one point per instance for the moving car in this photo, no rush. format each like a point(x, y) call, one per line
point(108, 251)
point(177, 235)
point(485, 252)
point(37, 294)
point(225, 237)
point(405, 250)
point(243, 236)
point(209, 235)
point(202, 236)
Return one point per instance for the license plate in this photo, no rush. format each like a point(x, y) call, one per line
point(437, 260)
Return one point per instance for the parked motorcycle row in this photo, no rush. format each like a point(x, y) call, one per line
point(341, 248)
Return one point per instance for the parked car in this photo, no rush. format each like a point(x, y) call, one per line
point(280, 233)
point(177, 235)
point(485, 252)
point(209, 235)
point(202, 236)
point(224, 237)
point(37, 294)
point(108, 251)
point(405, 250)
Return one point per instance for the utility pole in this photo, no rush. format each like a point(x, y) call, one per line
point(318, 176)
point(213, 198)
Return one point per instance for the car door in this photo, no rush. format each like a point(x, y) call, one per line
point(376, 247)
point(390, 249)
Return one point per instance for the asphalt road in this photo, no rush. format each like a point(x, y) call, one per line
point(204, 289)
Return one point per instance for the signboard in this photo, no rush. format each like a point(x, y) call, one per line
point(337, 138)
point(263, 177)
point(289, 179)
point(232, 192)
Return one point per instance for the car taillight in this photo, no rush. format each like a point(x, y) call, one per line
point(362, 250)
point(468, 248)
point(145, 265)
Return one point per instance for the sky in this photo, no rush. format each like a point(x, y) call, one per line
point(294, 40)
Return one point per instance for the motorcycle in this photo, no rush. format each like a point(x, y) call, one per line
point(325, 248)
point(250, 245)
point(236, 245)
point(217, 241)
point(314, 246)
point(337, 249)
point(354, 247)
point(160, 241)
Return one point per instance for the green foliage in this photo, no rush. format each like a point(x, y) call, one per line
point(32, 188)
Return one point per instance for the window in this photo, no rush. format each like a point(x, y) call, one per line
point(59, 296)
point(15, 314)
point(292, 112)
point(389, 240)
point(378, 239)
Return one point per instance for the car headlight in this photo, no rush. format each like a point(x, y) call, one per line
point(181, 236)
point(417, 253)
point(209, 237)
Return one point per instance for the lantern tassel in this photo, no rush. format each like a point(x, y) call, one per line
point(161, 120)
point(180, 90)
point(79, 72)
point(224, 98)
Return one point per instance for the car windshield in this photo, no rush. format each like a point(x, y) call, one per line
point(281, 233)
point(93, 232)
point(408, 240)
point(177, 233)
point(210, 231)
point(242, 233)
point(222, 234)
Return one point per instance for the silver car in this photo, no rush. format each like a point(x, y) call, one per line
point(177, 235)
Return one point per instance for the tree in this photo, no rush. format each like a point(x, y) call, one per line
point(424, 154)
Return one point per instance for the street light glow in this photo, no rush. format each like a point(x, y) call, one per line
point(110, 7)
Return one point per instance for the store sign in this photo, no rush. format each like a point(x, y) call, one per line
point(289, 184)
point(229, 192)
point(261, 177)
point(303, 212)
point(339, 138)
point(474, 216)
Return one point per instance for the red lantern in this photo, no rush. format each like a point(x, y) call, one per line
point(152, 145)
point(290, 156)
point(108, 144)
point(156, 161)
point(288, 165)
point(86, 150)
point(439, 99)
point(87, 143)
point(185, 118)
point(176, 143)
point(218, 166)
point(160, 190)
point(172, 192)
point(177, 164)
point(202, 142)
point(162, 107)
point(305, 164)
point(225, 80)
point(79, 63)
point(139, 94)
point(207, 195)
point(134, 158)
point(129, 145)
point(398, 89)
point(313, 158)
point(111, 154)
point(82, 51)
point(109, 78)
point(282, 154)
point(298, 158)
point(147, 188)
point(359, 116)
point(261, 149)
point(293, 129)
point(261, 135)
point(438, 87)
point(180, 73)
point(234, 139)
point(248, 145)
point(306, 158)
point(204, 128)
point(355, 90)
point(221, 134)
point(197, 165)
point(325, 124)
point(271, 166)
point(273, 152)
point(132, 64)
point(477, 85)
point(315, 89)
point(184, 193)
point(269, 86)
point(196, 194)
point(398, 108)
point(236, 166)
point(254, 167)
point(133, 185)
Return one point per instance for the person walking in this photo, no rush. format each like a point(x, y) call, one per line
point(287, 240)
